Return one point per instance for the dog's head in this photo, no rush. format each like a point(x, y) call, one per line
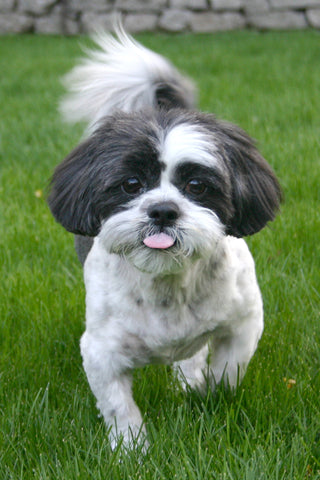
point(162, 187)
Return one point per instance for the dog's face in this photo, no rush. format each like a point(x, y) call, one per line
point(162, 187)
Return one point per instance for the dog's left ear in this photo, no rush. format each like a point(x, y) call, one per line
point(256, 193)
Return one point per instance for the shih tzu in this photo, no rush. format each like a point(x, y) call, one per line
point(159, 196)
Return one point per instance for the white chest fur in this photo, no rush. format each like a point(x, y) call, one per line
point(169, 318)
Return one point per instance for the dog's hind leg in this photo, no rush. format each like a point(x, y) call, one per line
point(193, 370)
point(230, 354)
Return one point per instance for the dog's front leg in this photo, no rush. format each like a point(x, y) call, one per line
point(108, 373)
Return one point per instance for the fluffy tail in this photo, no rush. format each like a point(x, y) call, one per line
point(122, 75)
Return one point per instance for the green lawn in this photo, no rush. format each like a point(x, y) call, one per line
point(270, 429)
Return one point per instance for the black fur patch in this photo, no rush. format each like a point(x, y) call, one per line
point(86, 187)
point(256, 193)
point(217, 193)
point(169, 96)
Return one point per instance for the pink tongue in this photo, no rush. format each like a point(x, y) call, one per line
point(160, 240)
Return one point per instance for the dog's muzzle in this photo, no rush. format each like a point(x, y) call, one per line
point(163, 214)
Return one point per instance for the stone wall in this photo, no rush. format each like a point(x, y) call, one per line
point(83, 16)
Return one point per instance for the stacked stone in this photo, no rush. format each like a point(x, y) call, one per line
point(84, 16)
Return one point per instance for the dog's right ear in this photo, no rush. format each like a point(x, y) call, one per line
point(72, 191)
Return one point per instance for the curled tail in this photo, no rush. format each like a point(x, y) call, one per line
point(122, 75)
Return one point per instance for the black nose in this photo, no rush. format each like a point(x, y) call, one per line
point(165, 213)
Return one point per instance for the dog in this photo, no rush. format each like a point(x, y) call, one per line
point(159, 197)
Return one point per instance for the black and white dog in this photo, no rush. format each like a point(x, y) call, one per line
point(159, 196)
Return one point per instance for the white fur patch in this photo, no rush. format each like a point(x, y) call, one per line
point(186, 143)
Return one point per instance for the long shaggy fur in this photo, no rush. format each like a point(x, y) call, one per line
point(159, 197)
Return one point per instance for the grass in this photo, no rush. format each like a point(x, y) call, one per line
point(270, 429)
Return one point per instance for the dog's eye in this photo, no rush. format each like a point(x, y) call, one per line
point(195, 187)
point(132, 185)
